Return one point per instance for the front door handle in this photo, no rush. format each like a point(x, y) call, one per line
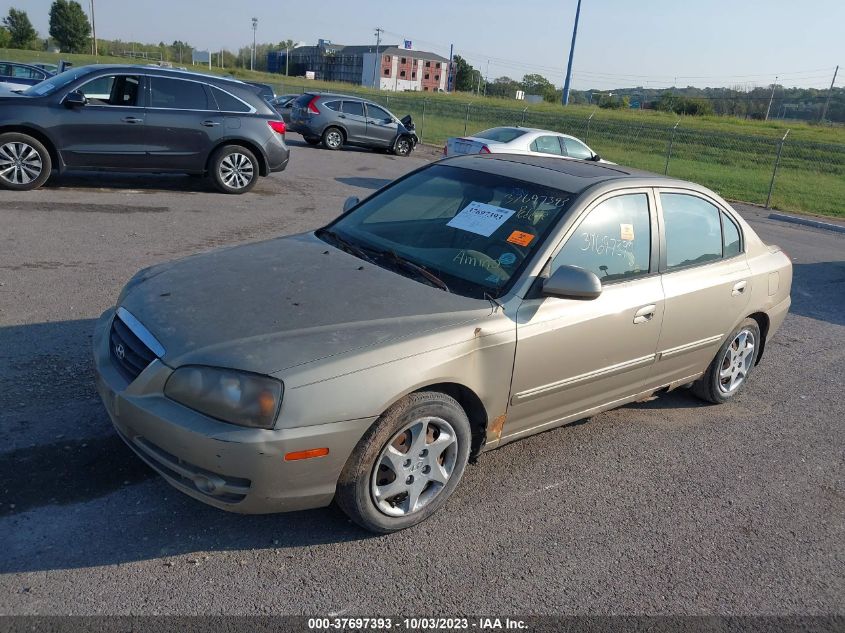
point(132, 119)
point(210, 123)
point(645, 314)
point(739, 288)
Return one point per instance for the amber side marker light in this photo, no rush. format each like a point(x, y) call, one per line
point(311, 452)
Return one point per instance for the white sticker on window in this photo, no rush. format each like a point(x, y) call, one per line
point(627, 232)
point(480, 218)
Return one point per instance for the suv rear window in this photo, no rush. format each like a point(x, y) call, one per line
point(228, 103)
point(500, 134)
point(303, 100)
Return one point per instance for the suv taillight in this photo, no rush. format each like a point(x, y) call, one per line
point(277, 126)
point(312, 105)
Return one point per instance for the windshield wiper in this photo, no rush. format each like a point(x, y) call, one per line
point(346, 245)
point(416, 268)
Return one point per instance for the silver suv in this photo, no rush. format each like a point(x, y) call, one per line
point(338, 120)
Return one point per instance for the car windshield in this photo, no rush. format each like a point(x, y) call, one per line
point(52, 84)
point(462, 230)
point(500, 134)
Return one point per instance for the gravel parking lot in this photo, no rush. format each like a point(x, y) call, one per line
point(664, 507)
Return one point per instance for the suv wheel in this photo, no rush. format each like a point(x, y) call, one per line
point(234, 169)
point(403, 146)
point(407, 464)
point(333, 138)
point(24, 162)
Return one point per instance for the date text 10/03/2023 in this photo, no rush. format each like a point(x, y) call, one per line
point(485, 623)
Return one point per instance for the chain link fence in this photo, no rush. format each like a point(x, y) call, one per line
point(774, 171)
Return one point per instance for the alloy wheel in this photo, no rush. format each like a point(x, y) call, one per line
point(20, 163)
point(334, 139)
point(737, 362)
point(236, 170)
point(414, 466)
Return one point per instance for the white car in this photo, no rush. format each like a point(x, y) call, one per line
point(521, 140)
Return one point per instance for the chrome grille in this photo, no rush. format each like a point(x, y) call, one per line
point(131, 356)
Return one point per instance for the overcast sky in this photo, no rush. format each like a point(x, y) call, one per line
point(620, 42)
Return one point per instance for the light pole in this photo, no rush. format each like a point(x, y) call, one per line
point(771, 98)
point(565, 95)
point(93, 31)
point(254, 29)
point(377, 64)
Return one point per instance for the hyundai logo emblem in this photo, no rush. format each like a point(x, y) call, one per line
point(119, 351)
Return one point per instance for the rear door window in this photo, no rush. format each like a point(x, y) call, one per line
point(334, 106)
point(177, 94)
point(355, 108)
point(546, 145)
point(693, 230)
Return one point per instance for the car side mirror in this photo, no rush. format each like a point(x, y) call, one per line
point(75, 100)
point(572, 282)
point(596, 158)
point(350, 202)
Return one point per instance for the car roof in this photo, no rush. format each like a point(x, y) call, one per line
point(169, 72)
point(573, 176)
point(3, 61)
point(526, 130)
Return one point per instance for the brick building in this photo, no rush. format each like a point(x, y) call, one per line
point(397, 68)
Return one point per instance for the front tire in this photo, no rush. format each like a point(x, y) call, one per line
point(403, 147)
point(25, 163)
point(234, 169)
point(333, 138)
point(729, 371)
point(407, 464)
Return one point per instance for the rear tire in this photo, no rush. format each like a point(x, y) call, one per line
point(729, 370)
point(407, 464)
point(25, 163)
point(333, 138)
point(234, 169)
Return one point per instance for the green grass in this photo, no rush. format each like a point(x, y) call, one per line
point(732, 156)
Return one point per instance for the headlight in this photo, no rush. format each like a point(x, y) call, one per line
point(232, 396)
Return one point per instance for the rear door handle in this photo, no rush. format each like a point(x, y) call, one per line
point(132, 119)
point(209, 123)
point(645, 314)
point(739, 288)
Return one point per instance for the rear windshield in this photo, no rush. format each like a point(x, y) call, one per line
point(500, 134)
point(303, 100)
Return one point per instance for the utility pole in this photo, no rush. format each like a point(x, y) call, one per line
point(93, 31)
point(771, 98)
point(486, 77)
point(377, 63)
point(829, 92)
point(450, 73)
point(565, 95)
point(287, 60)
point(254, 29)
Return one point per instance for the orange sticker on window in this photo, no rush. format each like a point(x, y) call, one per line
point(520, 238)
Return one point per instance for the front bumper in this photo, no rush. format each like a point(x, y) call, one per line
point(233, 468)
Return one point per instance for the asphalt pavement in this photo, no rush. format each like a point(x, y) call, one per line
point(665, 507)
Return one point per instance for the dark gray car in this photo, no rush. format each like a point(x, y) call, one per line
point(338, 120)
point(136, 118)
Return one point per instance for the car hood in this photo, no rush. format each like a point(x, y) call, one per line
point(269, 306)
